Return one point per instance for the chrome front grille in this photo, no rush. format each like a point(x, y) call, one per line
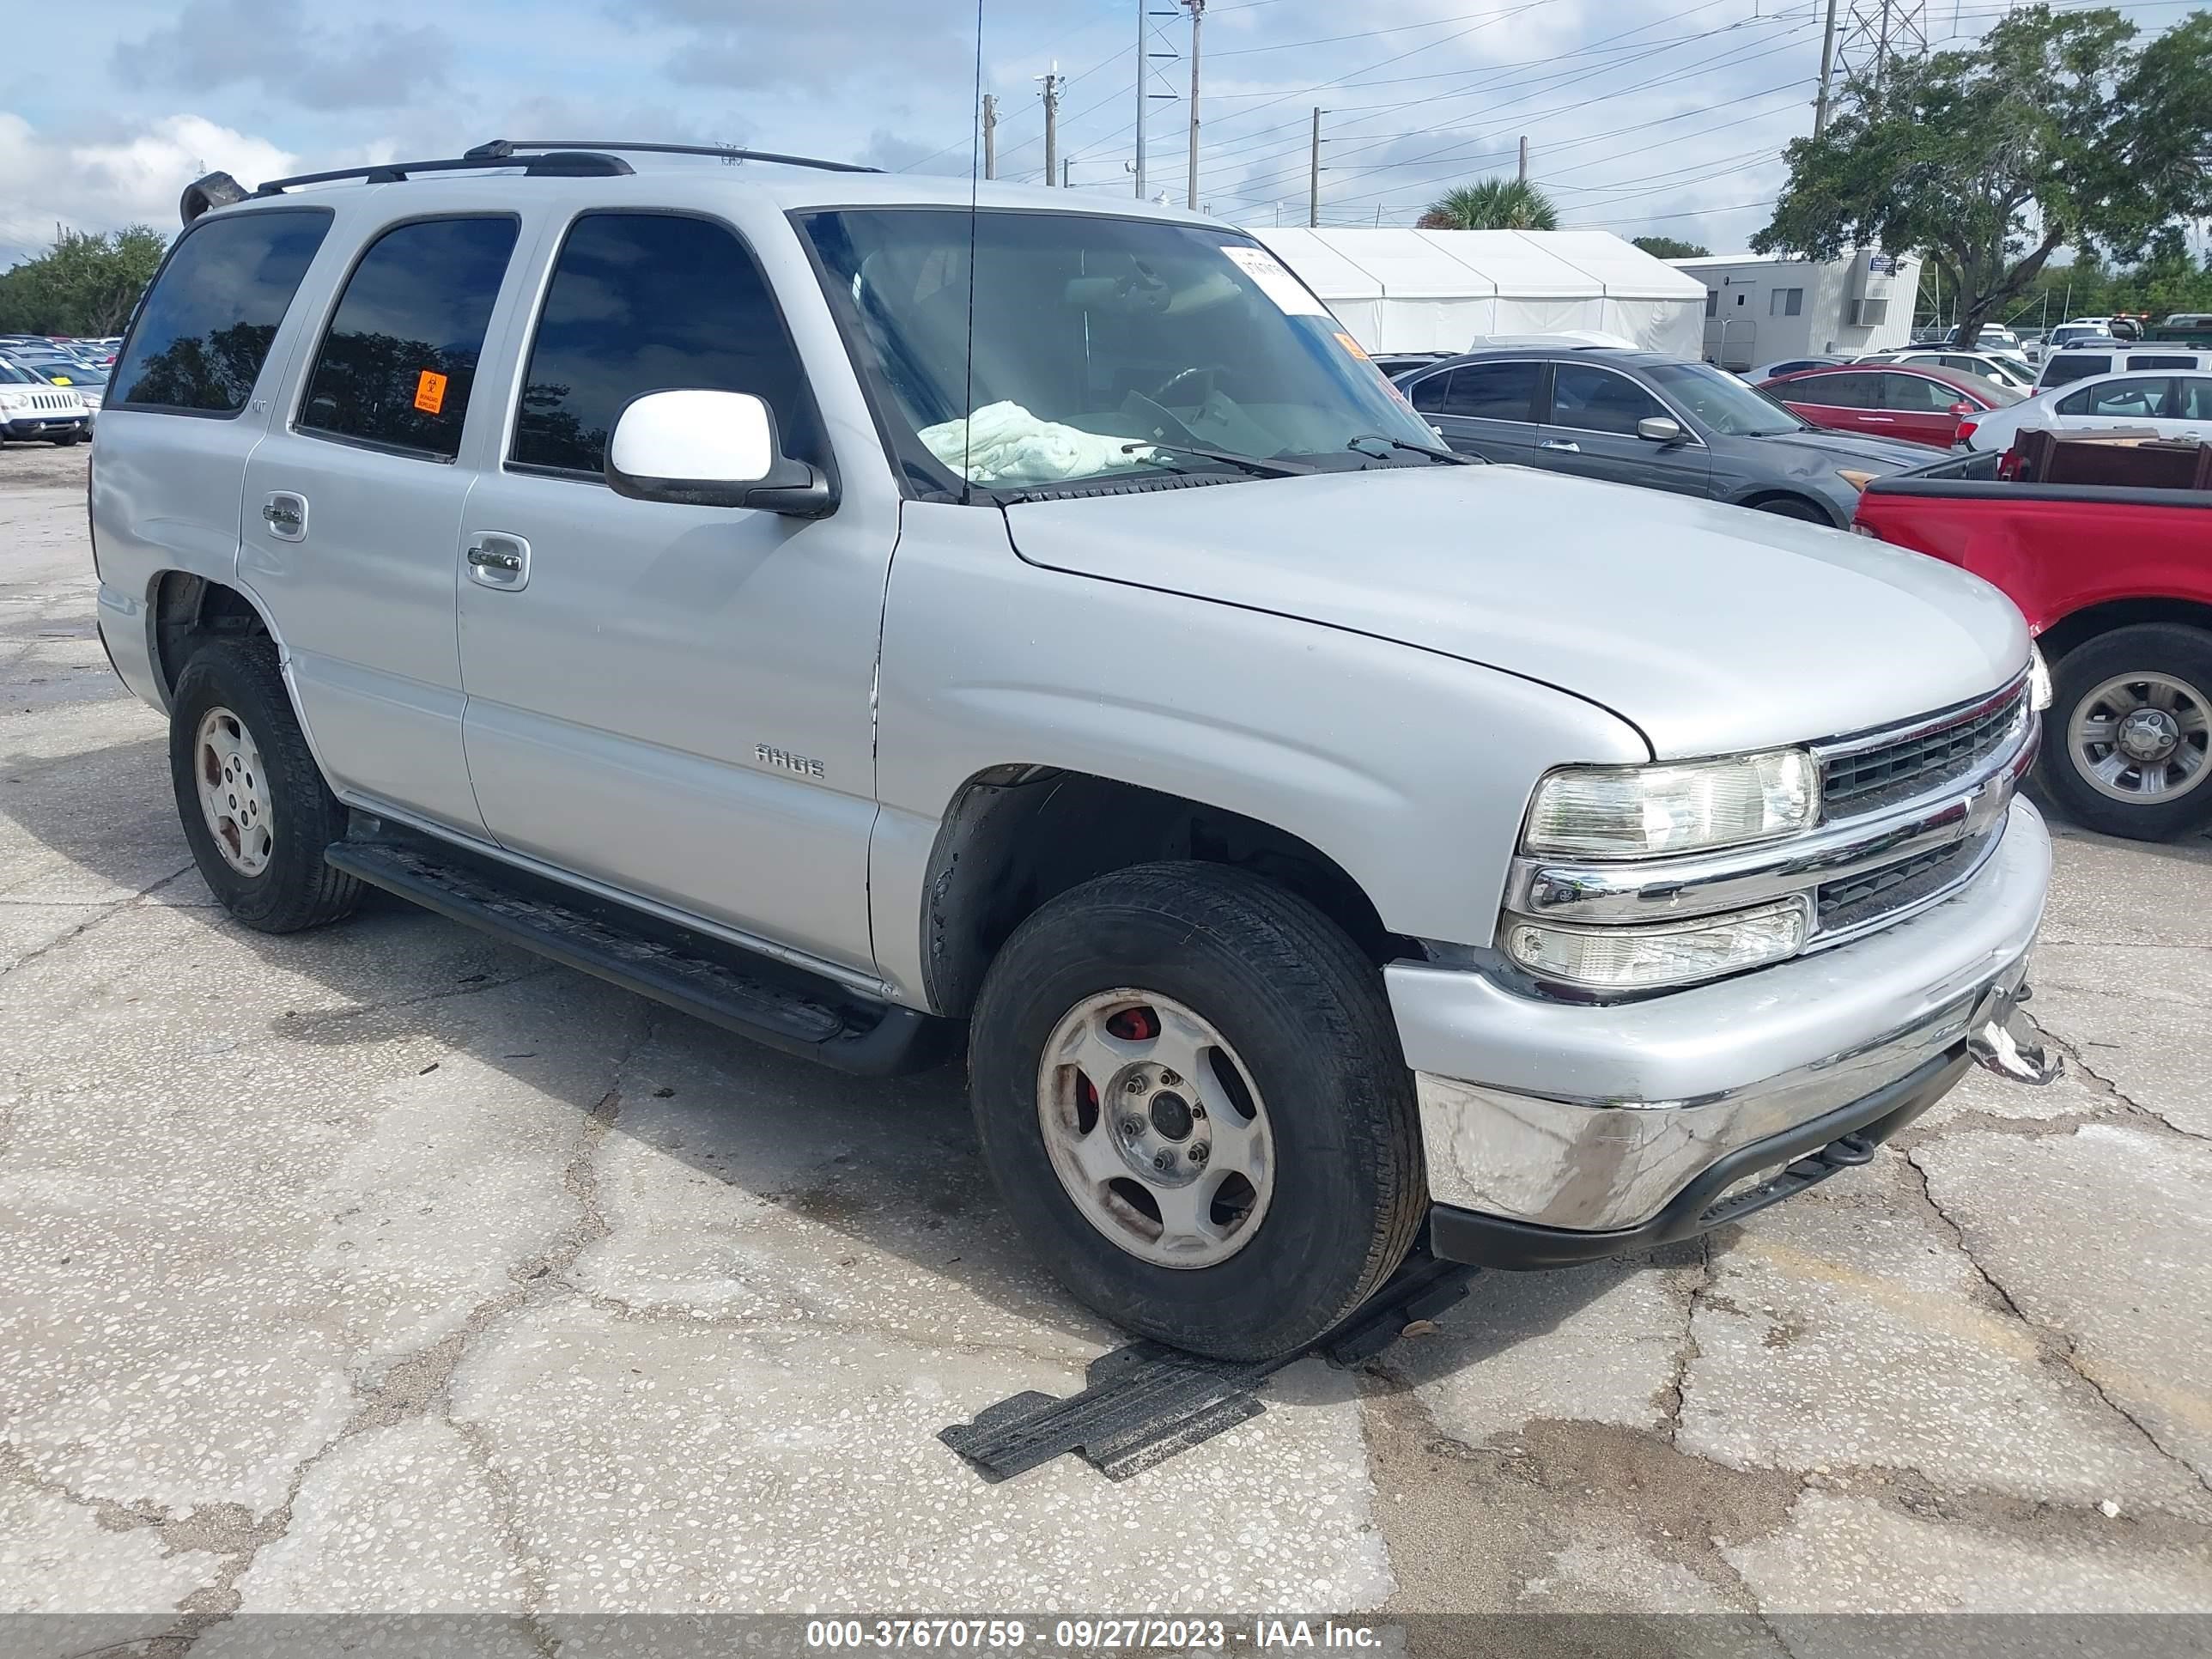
point(1867, 777)
point(1862, 901)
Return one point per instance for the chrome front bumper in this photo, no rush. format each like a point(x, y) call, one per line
point(1596, 1118)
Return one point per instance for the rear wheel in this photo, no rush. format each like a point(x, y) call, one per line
point(255, 809)
point(1189, 1087)
point(2127, 742)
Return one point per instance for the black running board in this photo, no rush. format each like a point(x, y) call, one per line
point(776, 1005)
point(1144, 1403)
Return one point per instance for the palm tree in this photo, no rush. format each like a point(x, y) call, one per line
point(1492, 204)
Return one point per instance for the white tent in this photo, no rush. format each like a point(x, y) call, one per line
point(1443, 290)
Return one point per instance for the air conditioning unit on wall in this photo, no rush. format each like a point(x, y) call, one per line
point(1867, 289)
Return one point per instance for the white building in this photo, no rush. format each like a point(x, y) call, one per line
point(1759, 310)
point(1396, 289)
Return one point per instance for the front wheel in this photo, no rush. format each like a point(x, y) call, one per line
point(1789, 506)
point(1189, 1088)
point(2126, 738)
point(256, 811)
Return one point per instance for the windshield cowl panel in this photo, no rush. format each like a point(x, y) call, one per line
point(1104, 348)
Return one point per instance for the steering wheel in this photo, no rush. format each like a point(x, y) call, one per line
point(1207, 373)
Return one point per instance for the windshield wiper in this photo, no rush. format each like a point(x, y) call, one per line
point(1257, 468)
point(1410, 448)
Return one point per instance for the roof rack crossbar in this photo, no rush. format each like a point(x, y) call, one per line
point(502, 147)
point(565, 164)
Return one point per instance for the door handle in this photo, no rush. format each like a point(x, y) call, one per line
point(286, 515)
point(499, 560)
point(1564, 446)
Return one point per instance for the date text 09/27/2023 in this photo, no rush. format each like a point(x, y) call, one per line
point(1007, 1636)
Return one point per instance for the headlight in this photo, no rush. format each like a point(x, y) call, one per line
point(1680, 806)
point(13, 400)
point(2039, 679)
point(1670, 954)
point(1856, 479)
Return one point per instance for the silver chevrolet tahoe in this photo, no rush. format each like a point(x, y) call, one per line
point(868, 618)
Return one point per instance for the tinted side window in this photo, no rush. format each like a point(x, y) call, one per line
point(2193, 397)
point(400, 359)
point(1495, 391)
point(206, 328)
point(2144, 399)
point(1599, 400)
point(2068, 367)
point(2153, 360)
point(1428, 395)
point(1915, 395)
point(1831, 392)
point(649, 302)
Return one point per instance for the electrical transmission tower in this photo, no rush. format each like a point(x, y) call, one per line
point(1876, 33)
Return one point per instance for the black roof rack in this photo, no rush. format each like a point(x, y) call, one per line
point(562, 164)
point(502, 148)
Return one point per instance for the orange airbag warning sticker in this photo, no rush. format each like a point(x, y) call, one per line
point(430, 392)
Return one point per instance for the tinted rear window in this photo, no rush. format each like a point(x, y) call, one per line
point(399, 359)
point(2068, 367)
point(206, 328)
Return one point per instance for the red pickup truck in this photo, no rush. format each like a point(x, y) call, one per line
point(2116, 583)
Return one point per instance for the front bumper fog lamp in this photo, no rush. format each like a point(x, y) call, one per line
point(1638, 958)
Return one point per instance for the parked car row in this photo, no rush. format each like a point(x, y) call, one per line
point(1640, 418)
point(71, 377)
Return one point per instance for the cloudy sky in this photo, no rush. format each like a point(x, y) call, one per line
point(1642, 115)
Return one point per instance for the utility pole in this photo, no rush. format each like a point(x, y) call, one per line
point(1313, 175)
point(1143, 41)
point(1875, 34)
point(1524, 158)
point(990, 137)
point(1197, 17)
point(1051, 175)
point(1827, 73)
point(1143, 74)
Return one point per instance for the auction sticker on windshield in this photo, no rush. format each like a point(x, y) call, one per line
point(1277, 284)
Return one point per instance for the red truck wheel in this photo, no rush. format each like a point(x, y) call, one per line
point(2127, 742)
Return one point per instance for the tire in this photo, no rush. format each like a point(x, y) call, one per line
point(1790, 506)
point(2091, 685)
point(279, 884)
point(1307, 1043)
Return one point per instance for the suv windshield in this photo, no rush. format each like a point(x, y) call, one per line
point(1097, 338)
point(1723, 403)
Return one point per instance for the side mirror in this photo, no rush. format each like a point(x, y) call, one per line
point(700, 448)
point(1658, 429)
point(1962, 409)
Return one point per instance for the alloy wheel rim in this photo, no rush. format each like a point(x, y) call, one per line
point(234, 791)
point(1155, 1128)
point(2142, 738)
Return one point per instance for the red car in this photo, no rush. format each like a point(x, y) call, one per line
point(1922, 405)
point(2115, 586)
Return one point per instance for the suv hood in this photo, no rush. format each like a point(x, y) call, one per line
point(1712, 629)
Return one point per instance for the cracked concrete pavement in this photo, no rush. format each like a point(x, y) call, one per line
point(383, 1269)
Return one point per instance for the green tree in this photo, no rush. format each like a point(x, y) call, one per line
point(1670, 247)
point(2058, 131)
point(85, 283)
point(1492, 204)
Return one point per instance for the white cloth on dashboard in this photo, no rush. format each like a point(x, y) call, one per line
point(1004, 443)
